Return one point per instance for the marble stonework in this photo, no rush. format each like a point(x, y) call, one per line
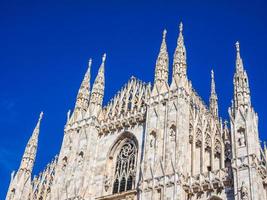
point(158, 142)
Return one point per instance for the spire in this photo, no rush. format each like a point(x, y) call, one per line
point(239, 62)
point(84, 91)
point(83, 96)
point(162, 64)
point(179, 62)
point(213, 97)
point(241, 83)
point(31, 149)
point(98, 89)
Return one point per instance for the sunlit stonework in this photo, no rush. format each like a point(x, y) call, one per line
point(159, 142)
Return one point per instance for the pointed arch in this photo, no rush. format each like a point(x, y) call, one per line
point(121, 164)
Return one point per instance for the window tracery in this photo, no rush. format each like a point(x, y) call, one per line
point(125, 168)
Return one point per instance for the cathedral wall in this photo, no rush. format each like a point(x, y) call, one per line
point(106, 157)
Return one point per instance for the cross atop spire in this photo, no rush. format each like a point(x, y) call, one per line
point(179, 61)
point(162, 63)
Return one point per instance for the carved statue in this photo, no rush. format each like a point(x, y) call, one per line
point(241, 139)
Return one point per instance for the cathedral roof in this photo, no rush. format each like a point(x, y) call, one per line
point(129, 100)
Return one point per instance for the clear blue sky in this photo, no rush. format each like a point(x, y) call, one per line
point(44, 49)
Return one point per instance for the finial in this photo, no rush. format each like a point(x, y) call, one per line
point(164, 33)
point(104, 57)
point(41, 116)
point(237, 47)
point(181, 27)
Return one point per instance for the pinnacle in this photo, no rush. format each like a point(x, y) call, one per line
point(212, 83)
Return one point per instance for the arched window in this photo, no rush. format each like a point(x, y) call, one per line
point(125, 168)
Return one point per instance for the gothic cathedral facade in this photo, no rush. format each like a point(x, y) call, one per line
point(152, 142)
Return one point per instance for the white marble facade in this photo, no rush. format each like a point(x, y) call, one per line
point(152, 142)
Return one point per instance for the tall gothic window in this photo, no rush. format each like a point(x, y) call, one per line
point(125, 167)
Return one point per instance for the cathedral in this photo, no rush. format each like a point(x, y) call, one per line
point(155, 141)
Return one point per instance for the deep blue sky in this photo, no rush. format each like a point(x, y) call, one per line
point(44, 49)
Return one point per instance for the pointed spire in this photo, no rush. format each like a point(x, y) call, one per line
point(31, 149)
point(98, 89)
point(162, 64)
point(213, 97)
point(84, 91)
point(239, 62)
point(241, 83)
point(179, 62)
point(83, 96)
